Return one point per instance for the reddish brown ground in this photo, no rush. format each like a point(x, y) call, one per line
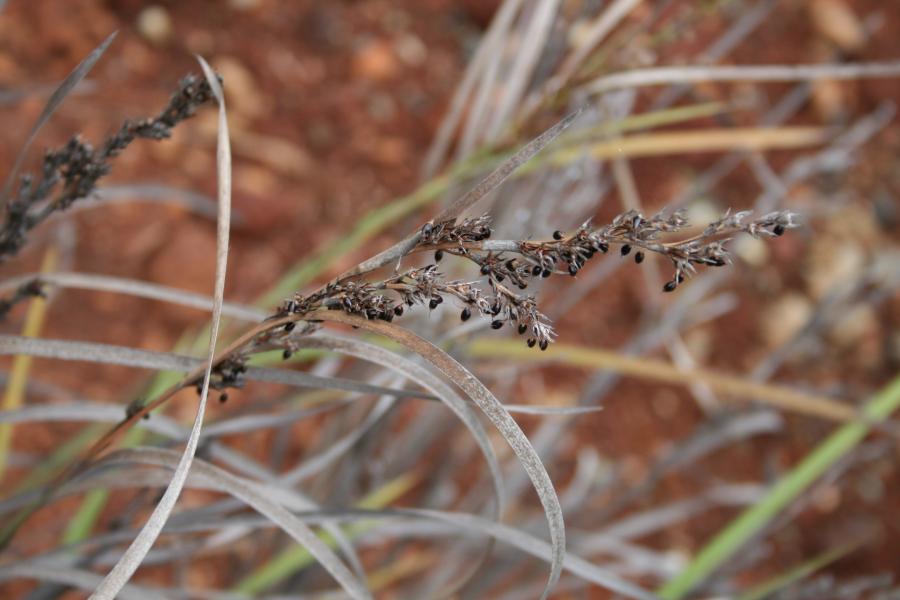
point(332, 106)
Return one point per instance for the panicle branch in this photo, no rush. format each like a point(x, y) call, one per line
point(77, 166)
point(507, 264)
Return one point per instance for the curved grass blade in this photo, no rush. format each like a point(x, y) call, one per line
point(134, 287)
point(116, 579)
point(411, 370)
point(72, 577)
point(494, 410)
point(266, 500)
point(166, 361)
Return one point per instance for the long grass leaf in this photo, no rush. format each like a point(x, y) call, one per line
point(262, 499)
point(167, 361)
point(134, 287)
point(72, 577)
point(656, 370)
point(704, 74)
point(116, 579)
point(494, 410)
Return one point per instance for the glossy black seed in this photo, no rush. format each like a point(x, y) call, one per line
point(223, 398)
point(670, 286)
point(427, 228)
point(546, 273)
point(536, 270)
point(603, 247)
point(496, 324)
point(500, 277)
point(544, 344)
point(557, 235)
point(289, 326)
point(286, 354)
point(522, 285)
point(438, 299)
point(778, 230)
point(432, 304)
point(625, 250)
point(496, 308)
point(590, 253)
point(465, 314)
point(438, 255)
point(486, 232)
point(573, 270)
point(398, 310)
point(531, 342)
point(485, 269)
point(638, 257)
point(680, 277)
point(522, 328)
point(387, 316)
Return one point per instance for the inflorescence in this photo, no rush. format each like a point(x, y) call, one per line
point(77, 166)
point(508, 267)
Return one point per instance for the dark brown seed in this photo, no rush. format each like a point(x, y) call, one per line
point(531, 342)
point(432, 304)
point(500, 277)
point(522, 285)
point(289, 326)
point(438, 255)
point(536, 270)
point(638, 257)
point(670, 286)
point(544, 344)
point(398, 310)
point(603, 247)
point(496, 324)
point(485, 269)
point(223, 398)
point(522, 328)
point(438, 299)
point(557, 235)
point(778, 230)
point(286, 354)
point(496, 308)
point(573, 270)
point(465, 314)
point(546, 273)
point(625, 250)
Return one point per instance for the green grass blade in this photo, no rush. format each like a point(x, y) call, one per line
point(724, 545)
point(767, 588)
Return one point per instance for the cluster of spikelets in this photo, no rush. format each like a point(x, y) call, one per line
point(509, 265)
